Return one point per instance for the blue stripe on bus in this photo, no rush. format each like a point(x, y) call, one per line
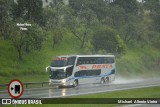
point(111, 72)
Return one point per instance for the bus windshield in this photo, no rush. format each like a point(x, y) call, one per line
point(63, 61)
point(59, 74)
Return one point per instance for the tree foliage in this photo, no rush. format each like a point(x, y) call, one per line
point(106, 39)
point(55, 20)
point(154, 7)
point(5, 18)
point(99, 25)
point(82, 24)
point(130, 6)
point(28, 10)
point(26, 41)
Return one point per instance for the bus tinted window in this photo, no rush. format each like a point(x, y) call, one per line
point(87, 73)
point(95, 60)
point(71, 61)
point(59, 62)
point(63, 61)
point(99, 60)
point(108, 60)
point(69, 71)
point(85, 60)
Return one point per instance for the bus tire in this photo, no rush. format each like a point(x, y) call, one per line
point(102, 81)
point(107, 80)
point(60, 86)
point(75, 83)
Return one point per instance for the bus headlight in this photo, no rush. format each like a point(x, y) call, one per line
point(50, 81)
point(63, 81)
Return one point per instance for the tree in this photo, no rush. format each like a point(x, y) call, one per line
point(106, 39)
point(154, 7)
point(76, 5)
point(31, 38)
point(130, 6)
point(5, 18)
point(151, 5)
point(18, 38)
point(55, 20)
point(87, 20)
point(29, 10)
point(82, 25)
point(115, 16)
point(35, 37)
point(97, 6)
point(129, 33)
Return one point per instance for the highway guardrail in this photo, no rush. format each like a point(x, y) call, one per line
point(26, 84)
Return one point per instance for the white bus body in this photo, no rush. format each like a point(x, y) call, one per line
point(81, 69)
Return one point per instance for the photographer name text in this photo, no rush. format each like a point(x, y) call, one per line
point(23, 26)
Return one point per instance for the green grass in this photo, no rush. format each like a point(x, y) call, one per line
point(151, 92)
point(142, 62)
point(25, 78)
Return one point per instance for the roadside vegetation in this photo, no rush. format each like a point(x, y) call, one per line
point(126, 28)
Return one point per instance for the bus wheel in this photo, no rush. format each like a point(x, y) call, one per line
point(102, 81)
point(75, 83)
point(107, 80)
point(60, 86)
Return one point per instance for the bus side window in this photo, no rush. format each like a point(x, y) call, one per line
point(69, 71)
point(105, 60)
point(76, 74)
point(83, 62)
point(90, 73)
point(84, 73)
point(91, 61)
point(87, 73)
point(79, 62)
point(87, 61)
point(99, 60)
point(71, 60)
point(110, 60)
point(94, 61)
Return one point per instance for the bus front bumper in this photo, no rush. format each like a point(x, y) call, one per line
point(57, 82)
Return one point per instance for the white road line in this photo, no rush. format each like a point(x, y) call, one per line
point(134, 105)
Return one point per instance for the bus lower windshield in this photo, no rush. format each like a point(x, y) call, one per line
point(58, 75)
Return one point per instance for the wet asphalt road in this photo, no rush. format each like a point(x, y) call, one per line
point(85, 89)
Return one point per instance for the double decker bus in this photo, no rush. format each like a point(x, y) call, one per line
point(81, 69)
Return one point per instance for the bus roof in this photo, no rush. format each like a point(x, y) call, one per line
point(87, 56)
